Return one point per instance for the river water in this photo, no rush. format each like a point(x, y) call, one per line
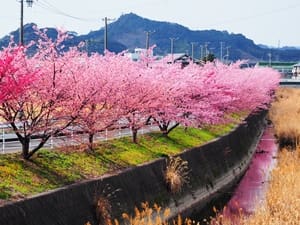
point(252, 189)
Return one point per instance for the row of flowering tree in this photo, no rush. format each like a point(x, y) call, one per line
point(45, 93)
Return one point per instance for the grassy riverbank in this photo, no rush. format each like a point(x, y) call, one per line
point(50, 169)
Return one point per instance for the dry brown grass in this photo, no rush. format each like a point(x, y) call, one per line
point(176, 174)
point(285, 115)
point(103, 211)
point(147, 215)
point(154, 216)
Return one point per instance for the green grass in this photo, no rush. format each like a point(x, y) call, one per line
point(49, 169)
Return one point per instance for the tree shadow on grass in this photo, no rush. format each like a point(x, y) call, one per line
point(169, 141)
point(52, 176)
point(112, 165)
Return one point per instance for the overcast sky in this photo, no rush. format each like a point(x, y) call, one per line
point(271, 22)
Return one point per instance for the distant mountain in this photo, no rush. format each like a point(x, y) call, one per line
point(280, 48)
point(129, 32)
point(93, 44)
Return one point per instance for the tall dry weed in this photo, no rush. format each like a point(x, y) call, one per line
point(176, 174)
point(154, 216)
point(285, 115)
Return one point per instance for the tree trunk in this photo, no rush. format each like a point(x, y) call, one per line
point(148, 120)
point(163, 126)
point(40, 145)
point(91, 142)
point(164, 130)
point(25, 147)
point(134, 135)
point(173, 127)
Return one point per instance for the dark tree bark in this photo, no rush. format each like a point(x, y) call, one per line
point(91, 142)
point(134, 135)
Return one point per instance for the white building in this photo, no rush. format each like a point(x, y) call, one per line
point(138, 53)
point(296, 70)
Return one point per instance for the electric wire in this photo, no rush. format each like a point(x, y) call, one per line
point(51, 8)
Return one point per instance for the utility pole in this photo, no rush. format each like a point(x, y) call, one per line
point(193, 43)
point(270, 59)
point(221, 51)
point(21, 33)
point(105, 19)
point(227, 54)
point(148, 38)
point(172, 48)
point(206, 50)
point(87, 46)
point(201, 52)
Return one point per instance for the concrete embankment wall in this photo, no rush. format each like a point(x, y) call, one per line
point(214, 168)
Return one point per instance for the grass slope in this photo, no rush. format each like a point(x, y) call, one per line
point(50, 169)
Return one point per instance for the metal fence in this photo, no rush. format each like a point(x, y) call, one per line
point(10, 143)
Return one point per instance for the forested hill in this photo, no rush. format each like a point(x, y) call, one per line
point(129, 32)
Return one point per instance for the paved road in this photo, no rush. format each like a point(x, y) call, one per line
point(10, 146)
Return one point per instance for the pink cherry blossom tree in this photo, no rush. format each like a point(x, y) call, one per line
point(190, 96)
point(253, 88)
point(55, 89)
point(50, 104)
point(101, 78)
point(199, 95)
point(137, 96)
point(168, 81)
point(15, 75)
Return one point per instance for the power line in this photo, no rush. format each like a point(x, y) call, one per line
point(49, 7)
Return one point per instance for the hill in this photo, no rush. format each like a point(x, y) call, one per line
point(129, 32)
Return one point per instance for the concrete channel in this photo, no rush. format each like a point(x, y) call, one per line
point(215, 168)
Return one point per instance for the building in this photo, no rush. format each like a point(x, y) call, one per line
point(182, 58)
point(138, 54)
point(296, 70)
